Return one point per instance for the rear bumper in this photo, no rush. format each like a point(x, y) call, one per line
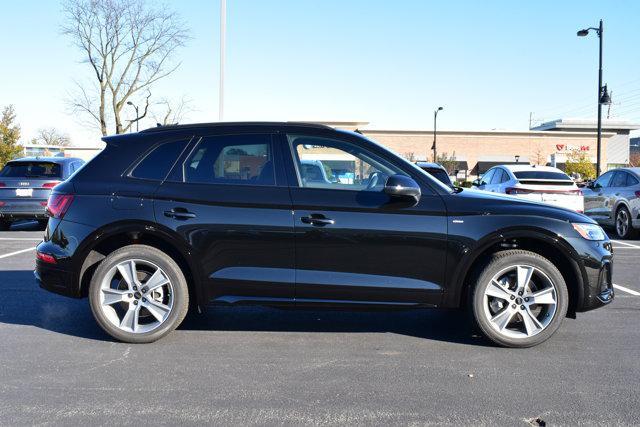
point(573, 202)
point(55, 280)
point(18, 209)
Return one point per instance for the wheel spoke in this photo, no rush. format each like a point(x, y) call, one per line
point(544, 296)
point(502, 319)
point(129, 273)
point(531, 323)
point(156, 280)
point(497, 291)
point(524, 276)
point(130, 319)
point(158, 310)
point(112, 296)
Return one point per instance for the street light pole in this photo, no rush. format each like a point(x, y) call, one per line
point(603, 95)
point(223, 40)
point(137, 115)
point(435, 123)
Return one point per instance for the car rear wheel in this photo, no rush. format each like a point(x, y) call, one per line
point(624, 230)
point(138, 294)
point(5, 225)
point(520, 299)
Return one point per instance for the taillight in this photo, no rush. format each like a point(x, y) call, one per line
point(43, 204)
point(2, 184)
point(637, 193)
point(50, 184)
point(58, 204)
point(2, 204)
point(514, 190)
point(49, 259)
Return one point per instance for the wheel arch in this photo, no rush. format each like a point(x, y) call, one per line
point(105, 240)
point(540, 241)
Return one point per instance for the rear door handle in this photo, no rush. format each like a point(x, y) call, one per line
point(317, 220)
point(179, 213)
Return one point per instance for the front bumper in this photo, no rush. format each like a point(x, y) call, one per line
point(597, 272)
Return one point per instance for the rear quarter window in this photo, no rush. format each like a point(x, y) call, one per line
point(158, 162)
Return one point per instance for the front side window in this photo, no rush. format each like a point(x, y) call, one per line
point(486, 178)
point(604, 180)
point(619, 180)
point(339, 165)
point(231, 159)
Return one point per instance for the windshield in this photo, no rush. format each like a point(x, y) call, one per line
point(31, 170)
point(541, 175)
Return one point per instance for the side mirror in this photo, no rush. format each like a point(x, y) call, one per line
point(402, 186)
point(476, 182)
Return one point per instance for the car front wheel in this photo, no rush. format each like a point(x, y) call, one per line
point(138, 294)
point(520, 299)
point(623, 223)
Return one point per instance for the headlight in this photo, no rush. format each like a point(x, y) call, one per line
point(590, 231)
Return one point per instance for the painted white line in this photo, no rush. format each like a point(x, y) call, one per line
point(627, 290)
point(626, 244)
point(31, 239)
point(623, 247)
point(17, 252)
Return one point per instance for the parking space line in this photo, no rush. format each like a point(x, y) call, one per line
point(626, 244)
point(627, 290)
point(17, 252)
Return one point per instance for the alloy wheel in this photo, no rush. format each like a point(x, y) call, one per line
point(136, 296)
point(622, 222)
point(520, 301)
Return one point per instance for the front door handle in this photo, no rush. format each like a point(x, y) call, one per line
point(179, 213)
point(317, 220)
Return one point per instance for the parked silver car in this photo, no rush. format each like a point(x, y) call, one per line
point(614, 200)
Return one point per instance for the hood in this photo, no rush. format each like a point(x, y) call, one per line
point(477, 202)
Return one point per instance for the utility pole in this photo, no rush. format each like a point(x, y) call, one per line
point(223, 40)
point(435, 123)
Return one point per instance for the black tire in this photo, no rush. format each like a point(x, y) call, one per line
point(5, 225)
point(623, 231)
point(500, 262)
point(180, 292)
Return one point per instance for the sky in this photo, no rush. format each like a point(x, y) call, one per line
point(490, 64)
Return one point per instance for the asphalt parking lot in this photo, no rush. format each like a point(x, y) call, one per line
point(266, 366)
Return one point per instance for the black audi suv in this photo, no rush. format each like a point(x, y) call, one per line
point(185, 216)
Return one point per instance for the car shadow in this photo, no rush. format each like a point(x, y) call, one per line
point(22, 302)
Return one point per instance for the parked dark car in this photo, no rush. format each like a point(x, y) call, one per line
point(613, 200)
point(25, 185)
point(437, 170)
point(223, 214)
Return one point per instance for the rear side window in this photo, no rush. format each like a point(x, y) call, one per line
point(156, 165)
point(497, 177)
point(631, 180)
point(231, 159)
point(31, 170)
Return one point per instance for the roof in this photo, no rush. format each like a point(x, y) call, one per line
point(47, 159)
point(230, 124)
point(518, 168)
point(586, 124)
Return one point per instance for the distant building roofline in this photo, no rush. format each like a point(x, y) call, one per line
point(586, 124)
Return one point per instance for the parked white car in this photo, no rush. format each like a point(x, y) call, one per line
point(538, 183)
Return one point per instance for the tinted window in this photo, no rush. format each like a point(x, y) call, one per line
point(541, 175)
point(31, 170)
point(497, 177)
point(339, 165)
point(619, 180)
point(231, 159)
point(604, 180)
point(158, 162)
point(632, 180)
point(440, 175)
point(486, 178)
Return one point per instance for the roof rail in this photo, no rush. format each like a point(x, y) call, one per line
point(218, 124)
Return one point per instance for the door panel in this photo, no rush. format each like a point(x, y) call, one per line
point(241, 233)
point(354, 243)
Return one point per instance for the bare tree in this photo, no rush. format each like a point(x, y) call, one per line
point(51, 136)
point(129, 47)
point(173, 112)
